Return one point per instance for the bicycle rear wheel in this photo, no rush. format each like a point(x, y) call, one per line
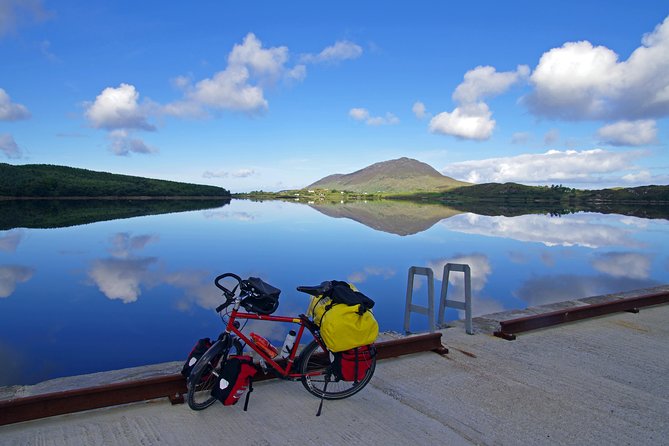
point(203, 376)
point(316, 367)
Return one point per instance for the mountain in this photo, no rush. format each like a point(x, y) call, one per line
point(400, 175)
point(48, 181)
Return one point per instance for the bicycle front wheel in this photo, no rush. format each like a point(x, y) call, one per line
point(203, 376)
point(316, 367)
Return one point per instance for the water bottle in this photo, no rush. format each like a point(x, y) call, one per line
point(287, 344)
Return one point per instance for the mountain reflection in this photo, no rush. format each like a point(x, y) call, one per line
point(392, 216)
point(587, 230)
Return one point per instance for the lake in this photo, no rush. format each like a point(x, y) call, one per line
point(134, 291)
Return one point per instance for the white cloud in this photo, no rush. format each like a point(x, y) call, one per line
point(581, 81)
point(551, 166)
point(362, 114)
point(11, 111)
point(13, 13)
point(472, 121)
point(623, 264)
point(123, 144)
point(640, 177)
point(359, 114)
point(297, 73)
point(118, 108)
point(229, 90)
point(239, 173)
point(520, 138)
point(262, 61)
point(9, 147)
point(239, 87)
point(551, 137)
point(12, 275)
point(485, 81)
point(629, 133)
point(418, 109)
point(341, 50)
point(472, 118)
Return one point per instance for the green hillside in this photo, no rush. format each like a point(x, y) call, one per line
point(403, 175)
point(522, 193)
point(48, 181)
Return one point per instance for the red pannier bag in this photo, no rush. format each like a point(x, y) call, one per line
point(235, 379)
point(352, 365)
point(195, 354)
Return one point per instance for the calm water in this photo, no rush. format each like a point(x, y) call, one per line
point(136, 291)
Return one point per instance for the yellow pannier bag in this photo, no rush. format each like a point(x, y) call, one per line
point(342, 328)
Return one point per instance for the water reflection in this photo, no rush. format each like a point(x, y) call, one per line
point(10, 240)
point(64, 213)
point(569, 230)
point(481, 270)
point(11, 275)
point(557, 288)
point(151, 277)
point(395, 217)
point(370, 271)
point(624, 264)
point(121, 276)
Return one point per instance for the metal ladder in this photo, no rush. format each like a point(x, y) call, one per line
point(444, 302)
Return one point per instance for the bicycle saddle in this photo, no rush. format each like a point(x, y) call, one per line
point(317, 290)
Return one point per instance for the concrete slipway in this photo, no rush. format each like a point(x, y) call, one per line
point(603, 381)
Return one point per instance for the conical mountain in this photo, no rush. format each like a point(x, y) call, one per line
point(396, 176)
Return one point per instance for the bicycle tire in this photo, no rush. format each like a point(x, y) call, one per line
point(312, 359)
point(203, 376)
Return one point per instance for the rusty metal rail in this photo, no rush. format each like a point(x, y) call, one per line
point(509, 329)
point(170, 386)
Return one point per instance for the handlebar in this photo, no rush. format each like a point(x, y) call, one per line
point(229, 294)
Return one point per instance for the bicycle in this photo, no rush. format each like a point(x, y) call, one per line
point(313, 367)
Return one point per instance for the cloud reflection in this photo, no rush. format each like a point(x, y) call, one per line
point(11, 239)
point(361, 276)
point(11, 275)
point(122, 276)
point(480, 269)
point(549, 289)
point(479, 265)
point(624, 264)
point(224, 215)
point(570, 230)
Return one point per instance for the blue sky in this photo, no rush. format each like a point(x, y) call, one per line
point(275, 95)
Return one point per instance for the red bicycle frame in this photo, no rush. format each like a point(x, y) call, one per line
point(302, 321)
